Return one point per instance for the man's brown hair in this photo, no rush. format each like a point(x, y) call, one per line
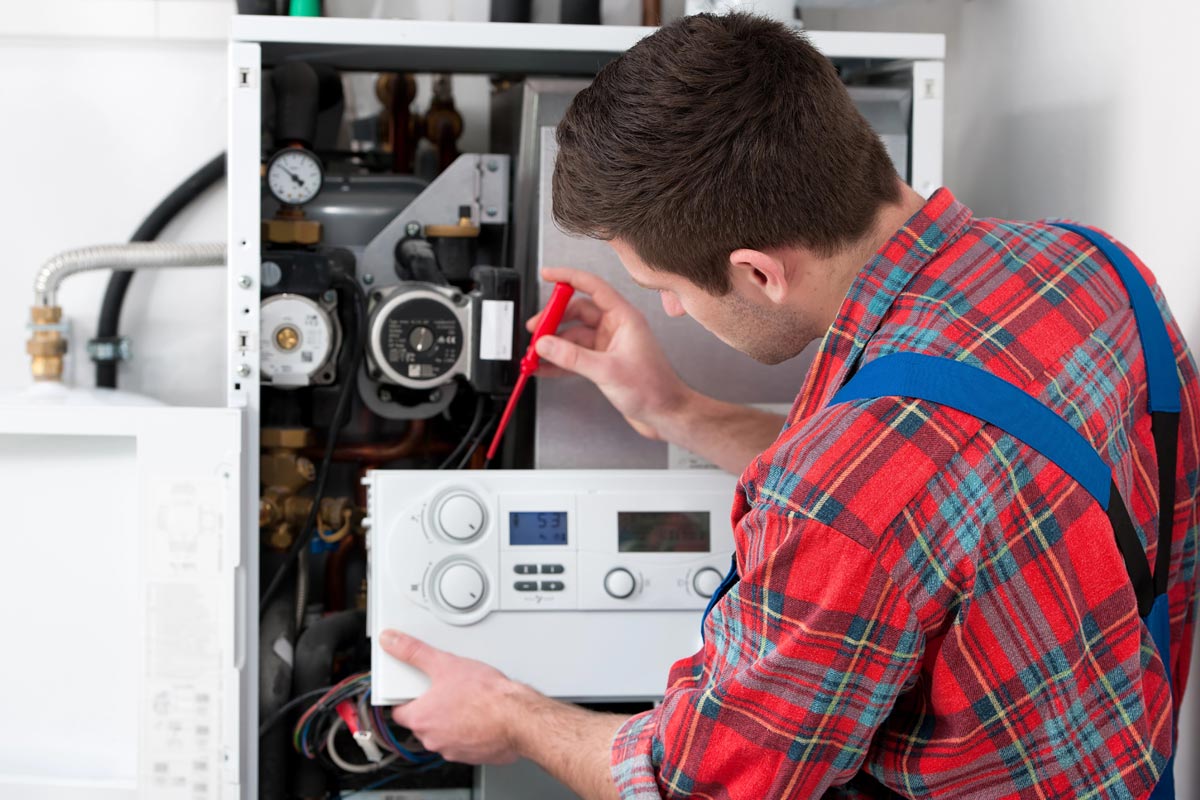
point(716, 133)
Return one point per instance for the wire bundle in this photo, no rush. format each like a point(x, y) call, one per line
point(346, 706)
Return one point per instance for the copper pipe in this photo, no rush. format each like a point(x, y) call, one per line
point(335, 573)
point(372, 453)
point(652, 13)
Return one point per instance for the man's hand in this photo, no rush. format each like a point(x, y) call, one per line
point(472, 714)
point(611, 345)
point(467, 712)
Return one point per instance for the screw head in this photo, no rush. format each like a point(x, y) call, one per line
point(491, 212)
point(329, 296)
point(243, 370)
point(384, 394)
point(413, 229)
point(492, 166)
point(368, 279)
point(245, 281)
point(435, 396)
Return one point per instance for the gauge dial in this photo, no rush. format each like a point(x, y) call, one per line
point(294, 176)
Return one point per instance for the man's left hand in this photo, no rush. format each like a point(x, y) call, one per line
point(466, 713)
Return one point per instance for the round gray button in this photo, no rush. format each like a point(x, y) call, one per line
point(619, 583)
point(461, 586)
point(421, 339)
point(460, 517)
point(706, 582)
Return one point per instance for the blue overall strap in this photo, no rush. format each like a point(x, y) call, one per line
point(984, 396)
point(1163, 386)
point(727, 583)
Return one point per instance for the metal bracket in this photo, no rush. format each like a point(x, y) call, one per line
point(109, 349)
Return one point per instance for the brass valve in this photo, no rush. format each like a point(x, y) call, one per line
point(47, 345)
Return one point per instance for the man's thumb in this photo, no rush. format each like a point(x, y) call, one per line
point(410, 650)
point(569, 356)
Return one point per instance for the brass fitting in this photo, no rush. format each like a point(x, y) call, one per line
point(463, 230)
point(289, 226)
point(47, 345)
point(281, 466)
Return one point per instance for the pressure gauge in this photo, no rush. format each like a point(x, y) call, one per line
point(294, 176)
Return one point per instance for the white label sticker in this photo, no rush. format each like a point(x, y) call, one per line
point(181, 701)
point(496, 330)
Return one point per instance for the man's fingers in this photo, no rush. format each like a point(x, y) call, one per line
point(606, 297)
point(571, 357)
point(401, 715)
point(580, 335)
point(410, 650)
point(580, 309)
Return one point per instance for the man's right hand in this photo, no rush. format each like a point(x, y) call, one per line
point(611, 345)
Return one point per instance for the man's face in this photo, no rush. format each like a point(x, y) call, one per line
point(743, 318)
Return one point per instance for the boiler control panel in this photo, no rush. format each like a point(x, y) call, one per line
point(585, 584)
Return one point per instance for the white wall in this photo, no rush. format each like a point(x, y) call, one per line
point(96, 132)
point(1076, 108)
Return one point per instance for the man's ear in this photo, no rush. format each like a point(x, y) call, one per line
point(756, 271)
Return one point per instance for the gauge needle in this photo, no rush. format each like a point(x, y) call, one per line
point(292, 176)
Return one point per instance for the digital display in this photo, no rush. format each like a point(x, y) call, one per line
point(537, 527)
point(663, 532)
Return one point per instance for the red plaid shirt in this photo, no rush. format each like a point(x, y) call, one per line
point(927, 606)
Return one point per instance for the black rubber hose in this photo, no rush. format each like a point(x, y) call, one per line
point(277, 635)
point(315, 649)
point(148, 231)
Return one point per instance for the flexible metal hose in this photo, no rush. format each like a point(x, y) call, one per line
point(140, 255)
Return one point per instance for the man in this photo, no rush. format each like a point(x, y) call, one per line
point(926, 604)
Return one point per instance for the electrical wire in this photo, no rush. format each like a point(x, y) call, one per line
point(341, 412)
point(342, 763)
point(316, 729)
point(377, 784)
point(282, 711)
point(478, 440)
point(472, 429)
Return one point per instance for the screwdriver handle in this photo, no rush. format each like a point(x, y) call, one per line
point(548, 324)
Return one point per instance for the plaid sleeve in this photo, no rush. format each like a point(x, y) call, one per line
point(802, 661)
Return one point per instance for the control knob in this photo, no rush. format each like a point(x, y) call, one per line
point(461, 586)
point(459, 516)
point(619, 583)
point(706, 581)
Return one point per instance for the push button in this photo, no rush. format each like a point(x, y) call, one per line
point(527, 569)
point(552, 569)
point(552, 586)
point(525, 586)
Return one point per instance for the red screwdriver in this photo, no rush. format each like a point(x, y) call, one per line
point(529, 363)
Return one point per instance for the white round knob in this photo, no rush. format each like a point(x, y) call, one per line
point(619, 583)
point(460, 516)
point(461, 586)
point(707, 581)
